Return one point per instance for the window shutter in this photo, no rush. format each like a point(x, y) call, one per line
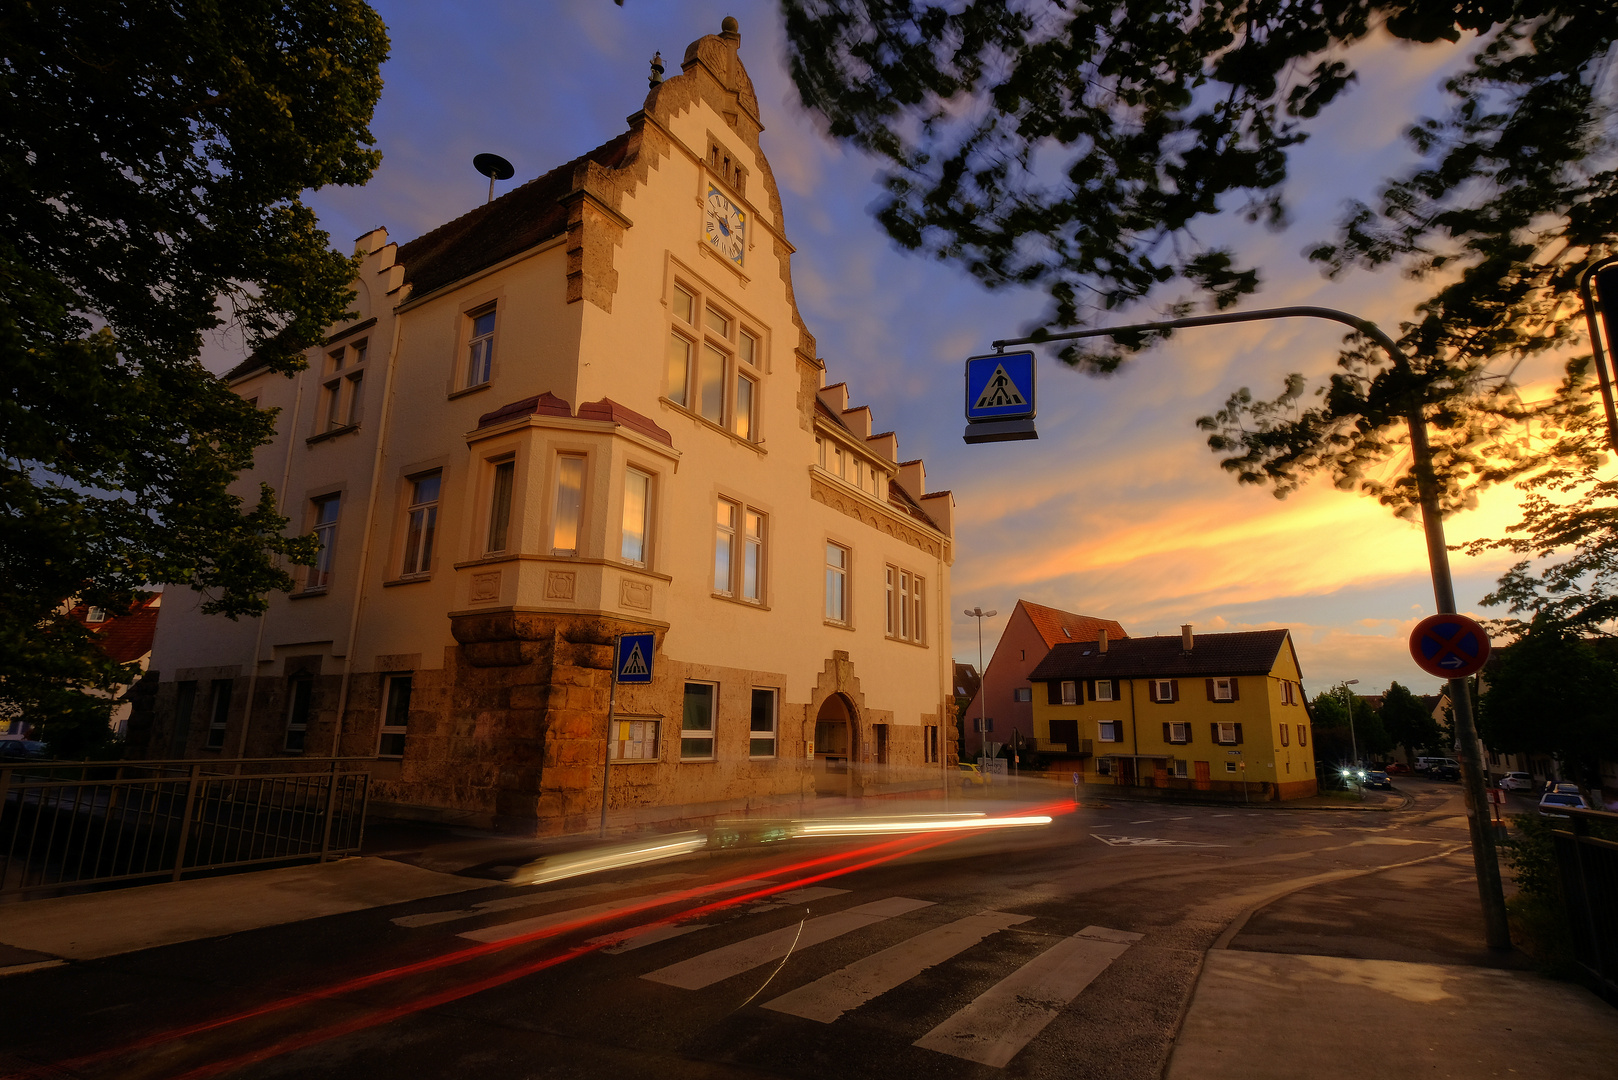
point(1213, 732)
point(1238, 734)
point(1115, 694)
point(1174, 689)
point(1089, 688)
point(1053, 692)
point(1235, 694)
point(1166, 736)
point(1210, 689)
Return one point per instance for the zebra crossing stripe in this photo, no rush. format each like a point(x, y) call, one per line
point(720, 964)
point(829, 997)
point(1003, 1019)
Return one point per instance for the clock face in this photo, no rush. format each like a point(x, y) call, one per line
point(726, 226)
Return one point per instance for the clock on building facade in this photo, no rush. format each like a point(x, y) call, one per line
point(726, 225)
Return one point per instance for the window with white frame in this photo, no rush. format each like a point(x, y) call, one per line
point(500, 491)
point(341, 390)
point(300, 704)
point(219, 712)
point(323, 521)
point(637, 516)
point(836, 583)
point(1178, 733)
point(1230, 766)
point(850, 467)
point(568, 513)
point(906, 605)
point(479, 347)
point(421, 524)
point(697, 721)
point(636, 740)
point(1110, 731)
point(1165, 690)
point(761, 732)
point(1104, 690)
point(1179, 768)
point(1224, 689)
point(395, 715)
point(738, 552)
point(1227, 734)
point(714, 361)
point(1070, 692)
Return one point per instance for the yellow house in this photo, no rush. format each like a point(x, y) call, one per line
point(1219, 712)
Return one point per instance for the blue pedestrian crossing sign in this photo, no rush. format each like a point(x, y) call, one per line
point(634, 663)
point(1000, 387)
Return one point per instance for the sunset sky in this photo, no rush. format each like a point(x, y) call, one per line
point(1119, 510)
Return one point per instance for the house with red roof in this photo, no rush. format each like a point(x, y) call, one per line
point(1003, 701)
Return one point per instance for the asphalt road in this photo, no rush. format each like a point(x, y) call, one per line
point(1069, 950)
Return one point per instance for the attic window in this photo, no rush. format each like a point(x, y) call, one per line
point(1068, 633)
point(727, 168)
point(1086, 652)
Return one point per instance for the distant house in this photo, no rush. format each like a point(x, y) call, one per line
point(1006, 697)
point(126, 639)
point(1216, 712)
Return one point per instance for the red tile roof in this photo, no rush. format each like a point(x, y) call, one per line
point(1251, 652)
point(612, 412)
point(1052, 622)
point(547, 403)
point(125, 638)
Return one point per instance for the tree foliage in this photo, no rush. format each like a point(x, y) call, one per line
point(1077, 148)
point(152, 157)
point(1408, 722)
point(1334, 739)
point(1552, 692)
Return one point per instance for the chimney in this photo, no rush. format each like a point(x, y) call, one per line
point(1185, 637)
point(1101, 640)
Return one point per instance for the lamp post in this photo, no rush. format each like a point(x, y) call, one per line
point(983, 678)
point(1490, 892)
point(1353, 743)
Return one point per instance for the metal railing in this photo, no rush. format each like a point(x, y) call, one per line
point(65, 825)
point(1589, 869)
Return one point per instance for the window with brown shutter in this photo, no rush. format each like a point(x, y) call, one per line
point(1065, 731)
point(1053, 693)
point(1222, 690)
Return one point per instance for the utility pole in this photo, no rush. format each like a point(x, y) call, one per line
point(1484, 857)
point(983, 679)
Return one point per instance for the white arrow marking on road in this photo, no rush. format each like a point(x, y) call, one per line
point(1148, 841)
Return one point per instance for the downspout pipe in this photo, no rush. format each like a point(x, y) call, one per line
point(365, 542)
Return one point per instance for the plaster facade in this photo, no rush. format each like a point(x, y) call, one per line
point(572, 414)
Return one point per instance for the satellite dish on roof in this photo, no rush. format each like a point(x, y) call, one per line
point(495, 168)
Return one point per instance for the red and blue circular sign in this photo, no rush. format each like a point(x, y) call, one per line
point(1449, 646)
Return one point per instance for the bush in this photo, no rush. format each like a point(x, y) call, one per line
point(1537, 914)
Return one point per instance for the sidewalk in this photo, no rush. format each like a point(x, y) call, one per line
point(1384, 975)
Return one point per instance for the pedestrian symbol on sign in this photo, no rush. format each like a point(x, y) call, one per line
point(636, 663)
point(999, 392)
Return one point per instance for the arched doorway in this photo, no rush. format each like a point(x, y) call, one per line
point(835, 737)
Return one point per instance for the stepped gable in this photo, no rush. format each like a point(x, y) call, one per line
point(1251, 652)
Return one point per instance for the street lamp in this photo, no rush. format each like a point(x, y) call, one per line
point(1353, 743)
point(983, 677)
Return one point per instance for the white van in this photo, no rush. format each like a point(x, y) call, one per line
point(1428, 764)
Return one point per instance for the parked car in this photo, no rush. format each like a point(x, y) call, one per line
point(1445, 772)
point(1378, 779)
point(21, 749)
point(1517, 781)
point(1555, 801)
point(972, 774)
point(1430, 765)
point(1565, 789)
point(1397, 768)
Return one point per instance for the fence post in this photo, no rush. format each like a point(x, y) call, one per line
point(185, 821)
point(331, 809)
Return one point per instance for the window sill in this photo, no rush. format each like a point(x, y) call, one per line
point(309, 594)
point(837, 624)
point(641, 761)
point(756, 447)
point(346, 429)
point(697, 760)
point(922, 645)
point(469, 390)
point(754, 604)
point(409, 579)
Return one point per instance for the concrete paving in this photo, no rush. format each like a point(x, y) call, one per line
point(1267, 1016)
point(94, 925)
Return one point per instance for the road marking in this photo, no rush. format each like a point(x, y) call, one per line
point(1179, 819)
point(829, 997)
point(508, 903)
point(1005, 1018)
point(1148, 841)
point(720, 964)
point(1144, 821)
point(642, 936)
point(804, 896)
point(519, 927)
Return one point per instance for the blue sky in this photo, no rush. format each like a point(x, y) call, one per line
point(1118, 510)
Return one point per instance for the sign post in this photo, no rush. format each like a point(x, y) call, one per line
point(632, 666)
